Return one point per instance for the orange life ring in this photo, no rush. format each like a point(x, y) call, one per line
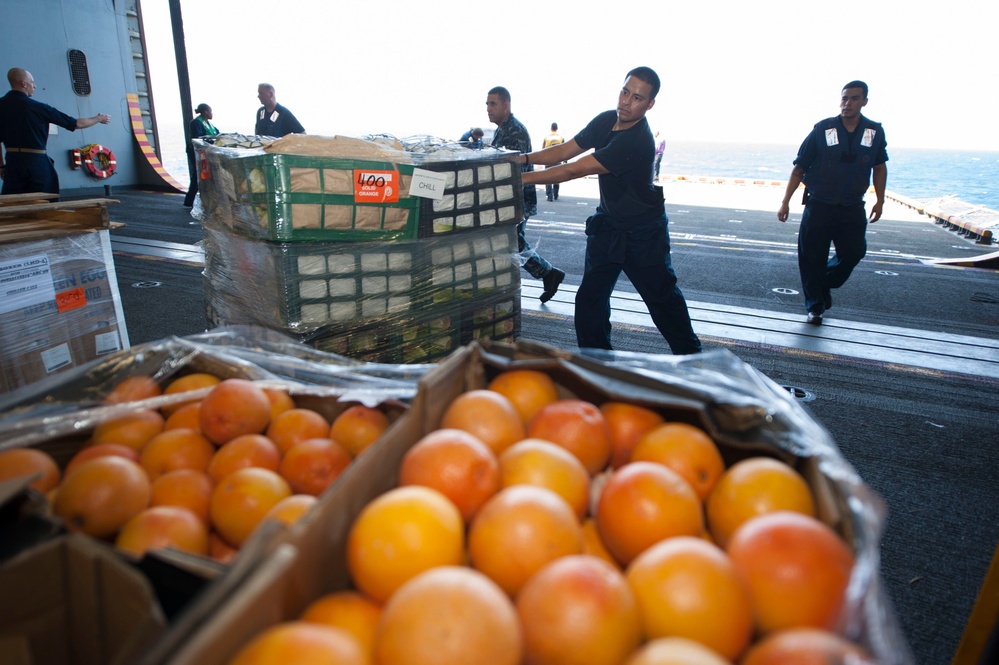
point(99, 161)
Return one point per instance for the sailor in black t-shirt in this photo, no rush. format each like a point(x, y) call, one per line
point(628, 232)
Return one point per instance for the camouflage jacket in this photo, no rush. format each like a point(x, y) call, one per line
point(512, 135)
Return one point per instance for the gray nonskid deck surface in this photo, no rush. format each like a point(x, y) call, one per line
point(914, 409)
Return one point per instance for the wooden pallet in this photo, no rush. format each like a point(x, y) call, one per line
point(33, 217)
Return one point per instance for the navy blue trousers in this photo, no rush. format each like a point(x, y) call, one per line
point(642, 252)
point(822, 226)
point(27, 173)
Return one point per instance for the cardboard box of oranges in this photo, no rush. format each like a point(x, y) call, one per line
point(116, 459)
point(399, 551)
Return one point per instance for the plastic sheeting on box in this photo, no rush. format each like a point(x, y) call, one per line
point(746, 413)
point(73, 402)
point(59, 306)
point(312, 188)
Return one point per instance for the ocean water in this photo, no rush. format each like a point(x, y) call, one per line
point(970, 176)
point(923, 175)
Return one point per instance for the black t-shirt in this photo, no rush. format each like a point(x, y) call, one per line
point(24, 122)
point(626, 192)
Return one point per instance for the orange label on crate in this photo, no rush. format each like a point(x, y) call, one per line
point(72, 299)
point(376, 186)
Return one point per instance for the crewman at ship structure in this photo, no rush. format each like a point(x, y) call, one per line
point(24, 132)
point(836, 162)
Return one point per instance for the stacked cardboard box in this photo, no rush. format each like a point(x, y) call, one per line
point(297, 243)
point(744, 412)
point(71, 598)
point(59, 301)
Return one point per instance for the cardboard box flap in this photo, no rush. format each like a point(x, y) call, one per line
point(77, 603)
point(24, 517)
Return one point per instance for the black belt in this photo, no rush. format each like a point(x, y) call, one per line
point(31, 150)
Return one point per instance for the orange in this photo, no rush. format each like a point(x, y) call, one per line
point(687, 587)
point(627, 423)
point(232, 408)
point(796, 569)
point(294, 425)
point(301, 643)
point(675, 651)
point(101, 495)
point(163, 527)
point(488, 415)
point(188, 416)
point(350, 611)
point(805, 646)
point(176, 449)
point(220, 550)
point(187, 383)
point(643, 503)
point(240, 502)
point(358, 427)
point(592, 544)
point(101, 450)
point(183, 488)
point(578, 609)
point(751, 487)
point(242, 452)
point(544, 464)
point(400, 534)
point(133, 430)
point(280, 400)
point(18, 462)
point(133, 388)
point(456, 464)
point(577, 426)
point(527, 389)
point(291, 509)
point(520, 530)
point(449, 616)
point(686, 449)
point(312, 465)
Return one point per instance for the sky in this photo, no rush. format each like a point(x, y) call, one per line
point(732, 70)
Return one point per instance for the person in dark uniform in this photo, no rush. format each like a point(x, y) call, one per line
point(512, 135)
point(24, 133)
point(628, 231)
point(272, 118)
point(473, 137)
point(835, 162)
point(201, 125)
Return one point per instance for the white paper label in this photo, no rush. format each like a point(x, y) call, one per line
point(868, 140)
point(832, 137)
point(56, 357)
point(25, 282)
point(428, 184)
point(107, 343)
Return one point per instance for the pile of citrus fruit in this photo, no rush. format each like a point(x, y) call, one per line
point(200, 475)
point(531, 528)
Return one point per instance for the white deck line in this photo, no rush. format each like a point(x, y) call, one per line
point(958, 354)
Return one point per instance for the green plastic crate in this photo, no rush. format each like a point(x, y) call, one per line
point(292, 198)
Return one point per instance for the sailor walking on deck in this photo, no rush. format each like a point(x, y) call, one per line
point(24, 133)
point(512, 135)
point(835, 162)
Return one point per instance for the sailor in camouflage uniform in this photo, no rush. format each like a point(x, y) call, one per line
point(512, 135)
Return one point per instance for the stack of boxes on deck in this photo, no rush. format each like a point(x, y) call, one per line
point(329, 240)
